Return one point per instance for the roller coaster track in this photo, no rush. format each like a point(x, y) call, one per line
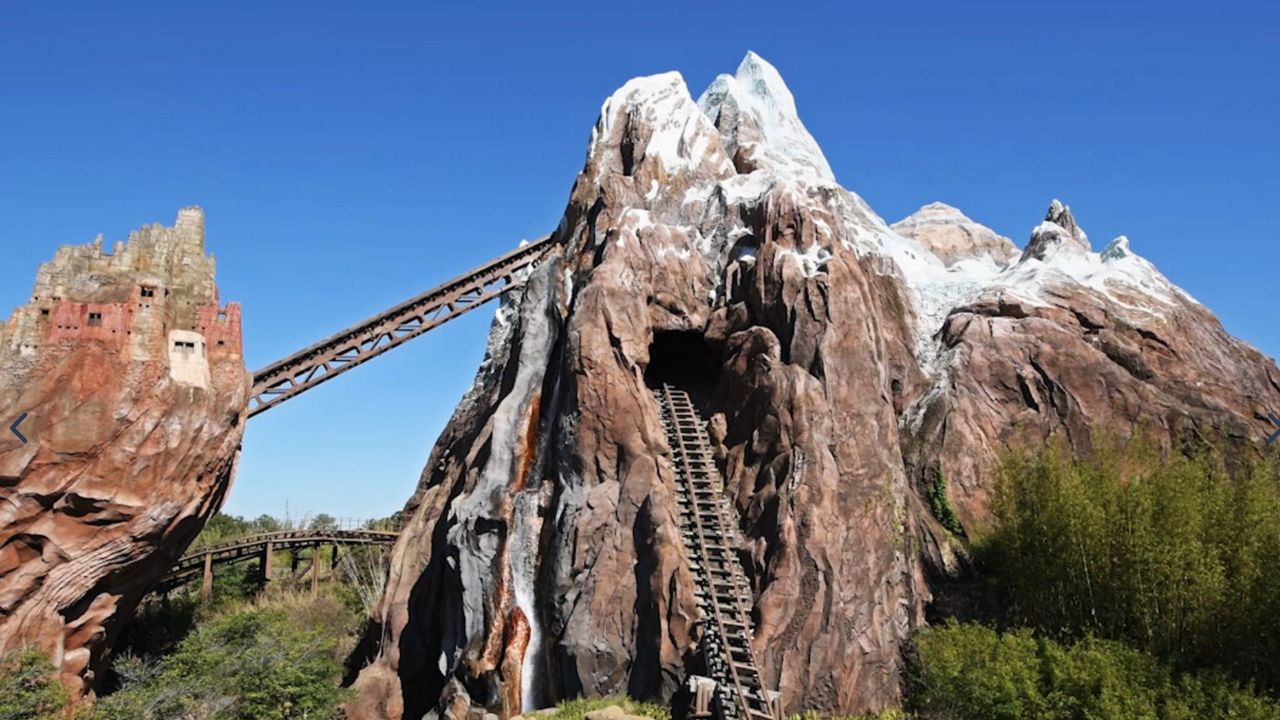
point(288, 377)
point(709, 531)
point(197, 562)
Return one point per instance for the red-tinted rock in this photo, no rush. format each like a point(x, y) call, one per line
point(131, 376)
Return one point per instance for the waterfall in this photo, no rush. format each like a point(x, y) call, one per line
point(526, 529)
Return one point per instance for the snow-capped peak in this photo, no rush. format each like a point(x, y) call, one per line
point(756, 116)
point(1058, 233)
point(677, 134)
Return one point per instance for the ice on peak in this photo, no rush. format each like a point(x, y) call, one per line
point(680, 137)
point(1058, 233)
point(757, 119)
point(1117, 249)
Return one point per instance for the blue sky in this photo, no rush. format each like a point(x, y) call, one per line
point(349, 155)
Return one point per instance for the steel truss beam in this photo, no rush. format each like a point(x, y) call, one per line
point(305, 369)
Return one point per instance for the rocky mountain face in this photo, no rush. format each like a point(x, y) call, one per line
point(846, 365)
point(130, 377)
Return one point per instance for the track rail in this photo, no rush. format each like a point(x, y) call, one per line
point(288, 377)
point(192, 565)
point(709, 533)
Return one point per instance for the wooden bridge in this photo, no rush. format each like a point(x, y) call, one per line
point(200, 562)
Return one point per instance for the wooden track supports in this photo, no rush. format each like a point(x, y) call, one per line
point(206, 581)
point(199, 564)
point(267, 553)
point(317, 554)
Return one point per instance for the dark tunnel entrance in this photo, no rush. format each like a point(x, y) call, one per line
point(681, 358)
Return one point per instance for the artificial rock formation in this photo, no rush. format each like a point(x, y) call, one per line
point(845, 364)
point(131, 378)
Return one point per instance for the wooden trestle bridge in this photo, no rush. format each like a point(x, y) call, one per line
point(734, 689)
point(199, 563)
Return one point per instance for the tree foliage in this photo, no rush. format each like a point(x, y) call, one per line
point(1175, 555)
point(971, 672)
point(277, 659)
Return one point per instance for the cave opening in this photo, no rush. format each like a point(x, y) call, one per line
point(681, 358)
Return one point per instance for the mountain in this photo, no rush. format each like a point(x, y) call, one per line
point(847, 367)
point(128, 375)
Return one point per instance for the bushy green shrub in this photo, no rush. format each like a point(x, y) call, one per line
point(1172, 555)
point(281, 658)
point(883, 715)
point(971, 672)
point(940, 505)
point(578, 708)
point(29, 689)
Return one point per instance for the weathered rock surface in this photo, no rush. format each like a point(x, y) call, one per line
point(131, 376)
point(1068, 343)
point(948, 234)
point(844, 364)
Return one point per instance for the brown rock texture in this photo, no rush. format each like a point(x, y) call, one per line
point(131, 376)
point(1068, 343)
point(843, 365)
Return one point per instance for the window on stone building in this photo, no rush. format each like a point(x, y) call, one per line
point(183, 346)
point(148, 292)
point(95, 319)
point(44, 311)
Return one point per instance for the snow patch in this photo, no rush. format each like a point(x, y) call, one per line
point(758, 92)
point(811, 261)
point(681, 136)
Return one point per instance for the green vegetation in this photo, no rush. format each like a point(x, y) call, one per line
point(244, 656)
point(886, 715)
point(279, 657)
point(1139, 585)
point(940, 505)
point(28, 688)
point(971, 672)
point(1177, 557)
point(577, 709)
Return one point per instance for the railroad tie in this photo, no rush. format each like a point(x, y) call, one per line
point(709, 532)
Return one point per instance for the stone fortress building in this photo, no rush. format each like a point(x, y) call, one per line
point(151, 296)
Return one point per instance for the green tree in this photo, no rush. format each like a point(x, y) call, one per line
point(324, 521)
point(1172, 554)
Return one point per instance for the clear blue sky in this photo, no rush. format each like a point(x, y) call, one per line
point(349, 155)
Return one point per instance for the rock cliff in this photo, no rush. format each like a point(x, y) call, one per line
point(846, 366)
point(130, 376)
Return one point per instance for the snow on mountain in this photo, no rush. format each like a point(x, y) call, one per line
point(756, 115)
point(681, 136)
point(945, 259)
